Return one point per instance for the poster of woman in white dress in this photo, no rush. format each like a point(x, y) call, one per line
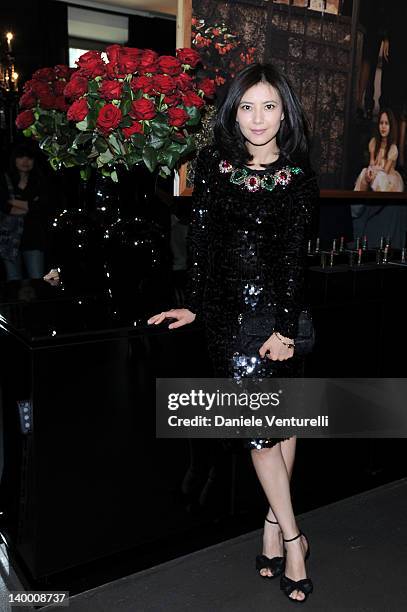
point(381, 173)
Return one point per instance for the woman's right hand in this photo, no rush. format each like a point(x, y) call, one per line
point(18, 207)
point(183, 316)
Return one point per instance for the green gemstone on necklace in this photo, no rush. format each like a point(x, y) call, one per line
point(238, 176)
point(268, 182)
point(296, 170)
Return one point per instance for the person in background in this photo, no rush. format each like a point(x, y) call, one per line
point(23, 216)
point(381, 174)
point(384, 219)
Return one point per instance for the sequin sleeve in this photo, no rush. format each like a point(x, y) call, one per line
point(197, 238)
point(301, 223)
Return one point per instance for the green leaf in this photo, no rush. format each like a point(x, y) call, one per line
point(93, 86)
point(150, 158)
point(104, 158)
point(115, 143)
point(69, 162)
point(55, 163)
point(82, 125)
point(114, 176)
point(160, 129)
point(164, 171)
point(82, 138)
point(156, 143)
point(126, 122)
point(133, 158)
point(45, 142)
point(195, 115)
point(138, 140)
point(100, 144)
point(85, 173)
point(125, 106)
point(168, 158)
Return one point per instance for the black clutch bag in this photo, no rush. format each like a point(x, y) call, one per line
point(257, 327)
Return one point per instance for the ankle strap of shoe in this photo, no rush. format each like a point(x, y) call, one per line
point(295, 538)
point(273, 522)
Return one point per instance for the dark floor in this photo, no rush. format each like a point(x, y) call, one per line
point(358, 562)
point(349, 467)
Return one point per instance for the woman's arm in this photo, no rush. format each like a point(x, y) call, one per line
point(391, 158)
point(372, 144)
point(197, 238)
point(300, 224)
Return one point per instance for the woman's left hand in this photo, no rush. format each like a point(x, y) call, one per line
point(275, 349)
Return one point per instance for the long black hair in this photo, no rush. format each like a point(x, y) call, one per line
point(293, 139)
point(22, 149)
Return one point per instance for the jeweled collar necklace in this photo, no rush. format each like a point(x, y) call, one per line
point(255, 182)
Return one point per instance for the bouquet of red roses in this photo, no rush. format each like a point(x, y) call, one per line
point(136, 107)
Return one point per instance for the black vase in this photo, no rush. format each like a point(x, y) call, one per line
point(76, 237)
point(137, 254)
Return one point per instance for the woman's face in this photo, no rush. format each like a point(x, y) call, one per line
point(384, 125)
point(260, 113)
point(24, 164)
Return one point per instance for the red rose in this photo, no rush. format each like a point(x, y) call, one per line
point(60, 103)
point(111, 90)
point(62, 71)
point(77, 87)
point(37, 88)
point(134, 128)
point(91, 64)
point(163, 83)
point(44, 74)
point(122, 60)
point(28, 85)
point(27, 100)
point(190, 98)
point(112, 52)
point(109, 118)
point(78, 110)
point(147, 61)
point(184, 81)
point(188, 56)
point(169, 65)
point(144, 83)
point(47, 102)
point(207, 86)
point(177, 117)
point(129, 59)
point(25, 119)
point(142, 109)
point(59, 87)
point(172, 100)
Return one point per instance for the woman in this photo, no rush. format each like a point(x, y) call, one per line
point(253, 206)
point(381, 174)
point(23, 219)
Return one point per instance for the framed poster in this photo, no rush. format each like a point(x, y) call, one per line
point(336, 54)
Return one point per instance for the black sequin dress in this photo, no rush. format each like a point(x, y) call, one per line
point(247, 249)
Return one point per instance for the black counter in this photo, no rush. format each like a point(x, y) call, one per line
point(84, 476)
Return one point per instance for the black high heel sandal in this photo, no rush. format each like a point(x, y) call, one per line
point(275, 564)
point(304, 585)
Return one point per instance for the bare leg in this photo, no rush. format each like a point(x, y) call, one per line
point(272, 536)
point(274, 478)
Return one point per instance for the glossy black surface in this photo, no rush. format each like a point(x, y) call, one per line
point(91, 487)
